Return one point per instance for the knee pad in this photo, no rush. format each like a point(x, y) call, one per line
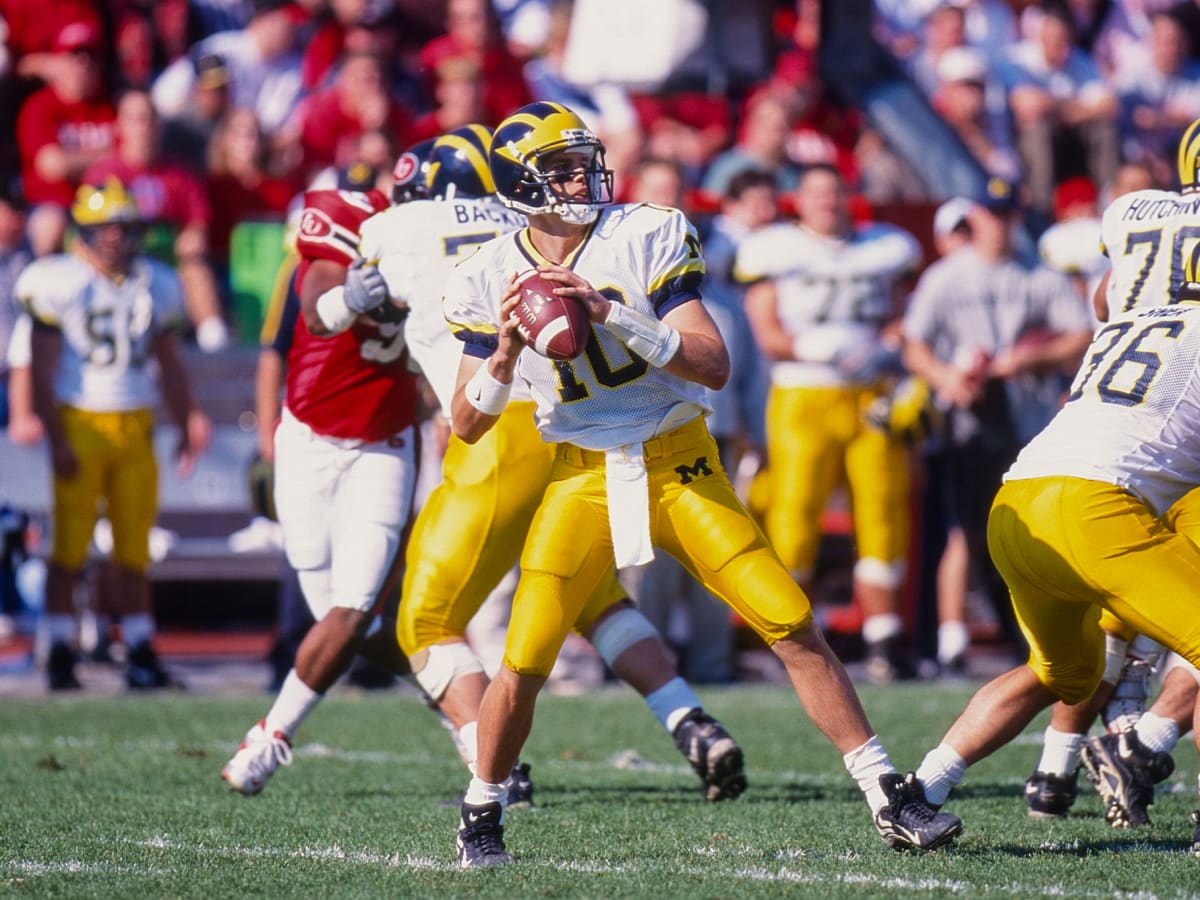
point(1114, 658)
point(1174, 661)
point(619, 632)
point(878, 573)
point(441, 665)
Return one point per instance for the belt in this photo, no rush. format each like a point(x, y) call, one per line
point(686, 437)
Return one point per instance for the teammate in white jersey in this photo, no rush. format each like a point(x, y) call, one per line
point(471, 529)
point(1148, 236)
point(101, 314)
point(823, 291)
point(635, 465)
point(1076, 528)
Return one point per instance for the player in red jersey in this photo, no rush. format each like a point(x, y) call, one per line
point(345, 468)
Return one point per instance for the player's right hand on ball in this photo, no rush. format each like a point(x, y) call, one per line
point(510, 342)
point(365, 288)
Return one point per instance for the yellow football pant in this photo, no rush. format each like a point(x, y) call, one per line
point(694, 515)
point(115, 451)
point(815, 437)
point(470, 531)
point(1069, 548)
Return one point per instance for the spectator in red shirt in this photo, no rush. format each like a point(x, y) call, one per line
point(61, 130)
point(33, 33)
point(328, 43)
point(240, 185)
point(459, 95)
point(473, 32)
point(330, 121)
point(174, 201)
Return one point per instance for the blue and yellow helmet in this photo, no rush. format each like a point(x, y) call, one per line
point(1189, 290)
point(1189, 158)
point(411, 173)
point(519, 148)
point(458, 164)
point(103, 205)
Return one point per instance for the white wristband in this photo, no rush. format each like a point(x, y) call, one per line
point(652, 339)
point(333, 312)
point(485, 393)
point(814, 348)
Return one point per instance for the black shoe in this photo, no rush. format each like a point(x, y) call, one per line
point(520, 788)
point(1050, 796)
point(888, 662)
point(1124, 772)
point(144, 671)
point(481, 837)
point(713, 753)
point(908, 822)
point(60, 669)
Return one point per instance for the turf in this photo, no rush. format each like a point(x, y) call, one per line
point(120, 797)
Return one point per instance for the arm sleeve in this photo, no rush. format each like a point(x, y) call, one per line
point(468, 310)
point(675, 263)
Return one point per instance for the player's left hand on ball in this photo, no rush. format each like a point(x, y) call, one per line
point(365, 288)
point(578, 288)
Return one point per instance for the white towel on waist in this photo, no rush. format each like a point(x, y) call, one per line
point(628, 505)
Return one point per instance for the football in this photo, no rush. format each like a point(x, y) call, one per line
point(556, 327)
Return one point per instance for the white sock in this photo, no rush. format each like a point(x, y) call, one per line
point(60, 627)
point(480, 792)
point(1156, 732)
point(865, 764)
point(881, 627)
point(468, 746)
point(1060, 752)
point(953, 640)
point(941, 771)
point(295, 701)
point(671, 702)
point(137, 629)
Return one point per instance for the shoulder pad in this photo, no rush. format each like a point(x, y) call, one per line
point(330, 223)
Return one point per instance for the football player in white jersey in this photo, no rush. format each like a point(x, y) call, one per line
point(1149, 237)
point(1077, 529)
point(470, 531)
point(101, 314)
point(822, 292)
point(634, 466)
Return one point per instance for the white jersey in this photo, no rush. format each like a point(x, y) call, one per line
point(1147, 236)
point(836, 289)
point(417, 245)
point(643, 255)
point(1133, 413)
point(108, 327)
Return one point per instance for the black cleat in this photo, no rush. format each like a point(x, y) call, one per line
point(481, 837)
point(1050, 796)
point(887, 661)
point(713, 753)
point(520, 788)
point(60, 668)
point(909, 822)
point(144, 671)
point(1124, 772)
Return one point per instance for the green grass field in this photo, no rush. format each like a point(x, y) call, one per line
point(120, 797)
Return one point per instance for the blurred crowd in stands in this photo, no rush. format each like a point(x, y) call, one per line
point(220, 112)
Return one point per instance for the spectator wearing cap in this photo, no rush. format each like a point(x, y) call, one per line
point(961, 99)
point(61, 130)
point(330, 121)
point(1159, 89)
point(1064, 112)
point(262, 62)
point(185, 137)
point(963, 333)
point(173, 201)
point(1072, 244)
point(33, 34)
point(951, 230)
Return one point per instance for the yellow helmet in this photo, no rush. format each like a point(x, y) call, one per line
point(1189, 158)
point(521, 144)
point(103, 205)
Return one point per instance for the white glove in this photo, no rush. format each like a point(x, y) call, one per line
point(365, 287)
